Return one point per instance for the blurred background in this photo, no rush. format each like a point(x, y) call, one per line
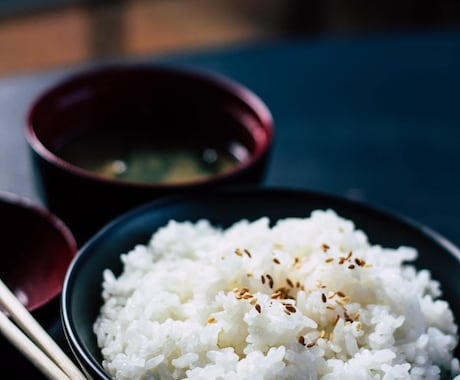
point(42, 34)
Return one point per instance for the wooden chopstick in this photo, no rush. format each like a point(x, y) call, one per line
point(37, 336)
point(30, 350)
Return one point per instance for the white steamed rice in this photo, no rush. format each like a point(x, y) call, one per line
point(307, 298)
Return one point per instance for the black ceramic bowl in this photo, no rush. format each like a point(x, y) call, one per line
point(140, 105)
point(82, 288)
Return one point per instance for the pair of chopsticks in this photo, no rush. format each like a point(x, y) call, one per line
point(37, 346)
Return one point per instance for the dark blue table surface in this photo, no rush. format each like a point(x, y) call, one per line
point(375, 119)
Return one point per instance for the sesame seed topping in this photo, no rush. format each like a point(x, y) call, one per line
point(289, 282)
point(212, 320)
point(238, 252)
point(270, 281)
point(329, 260)
point(325, 247)
point(247, 253)
point(360, 262)
point(337, 317)
point(258, 308)
point(290, 308)
point(323, 297)
point(302, 340)
point(276, 261)
point(277, 294)
point(347, 317)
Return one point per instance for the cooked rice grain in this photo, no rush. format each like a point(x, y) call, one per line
point(307, 298)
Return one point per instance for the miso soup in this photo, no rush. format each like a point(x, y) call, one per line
point(135, 158)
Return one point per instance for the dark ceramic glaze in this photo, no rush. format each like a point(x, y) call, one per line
point(167, 103)
point(82, 287)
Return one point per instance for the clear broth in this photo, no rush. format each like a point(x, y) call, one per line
point(134, 158)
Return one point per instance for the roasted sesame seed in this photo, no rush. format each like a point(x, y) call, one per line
point(270, 281)
point(302, 340)
point(289, 282)
point(351, 266)
point(243, 290)
point(346, 316)
point(276, 261)
point(277, 294)
point(258, 308)
point(211, 320)
point(337, 317)
point(290, 308)
point(262, 278)
point(329, 260)
point(247, 253)
point(323, 297)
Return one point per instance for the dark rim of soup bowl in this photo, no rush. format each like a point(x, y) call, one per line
point(364, 211)
point(59, 236)
point(262, 135)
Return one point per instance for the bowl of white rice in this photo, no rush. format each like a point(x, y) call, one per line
point(264, 284)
